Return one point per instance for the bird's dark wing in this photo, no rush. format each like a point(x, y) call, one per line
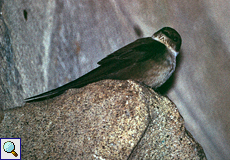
point(139, 50)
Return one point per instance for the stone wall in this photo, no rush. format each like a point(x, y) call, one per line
point(45, 44)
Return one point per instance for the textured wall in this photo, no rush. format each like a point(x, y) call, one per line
point(48, 43)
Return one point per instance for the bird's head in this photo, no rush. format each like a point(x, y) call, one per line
point(169, 37)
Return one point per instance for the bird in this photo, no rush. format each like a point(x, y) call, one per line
point(150, 61)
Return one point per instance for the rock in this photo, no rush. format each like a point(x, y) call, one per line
point(1, 115)
point(105, 120)
point(45, 44)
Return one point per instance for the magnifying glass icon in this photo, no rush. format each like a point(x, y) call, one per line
point(9, 147)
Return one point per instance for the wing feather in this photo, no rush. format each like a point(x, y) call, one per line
point(139, 50)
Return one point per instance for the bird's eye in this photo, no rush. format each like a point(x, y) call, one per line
point(175, 39)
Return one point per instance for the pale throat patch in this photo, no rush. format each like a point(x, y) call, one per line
point(163, 40)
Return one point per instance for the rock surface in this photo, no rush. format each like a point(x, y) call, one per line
point(45, 44)
point(104, 120)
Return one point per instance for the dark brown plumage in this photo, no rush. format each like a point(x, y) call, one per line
point(148, 60)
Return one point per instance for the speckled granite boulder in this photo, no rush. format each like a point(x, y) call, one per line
point(104, 120)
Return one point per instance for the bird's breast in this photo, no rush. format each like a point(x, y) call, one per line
point(150, 72)
point(155, 74)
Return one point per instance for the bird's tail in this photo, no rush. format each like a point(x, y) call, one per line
point(93, 76)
